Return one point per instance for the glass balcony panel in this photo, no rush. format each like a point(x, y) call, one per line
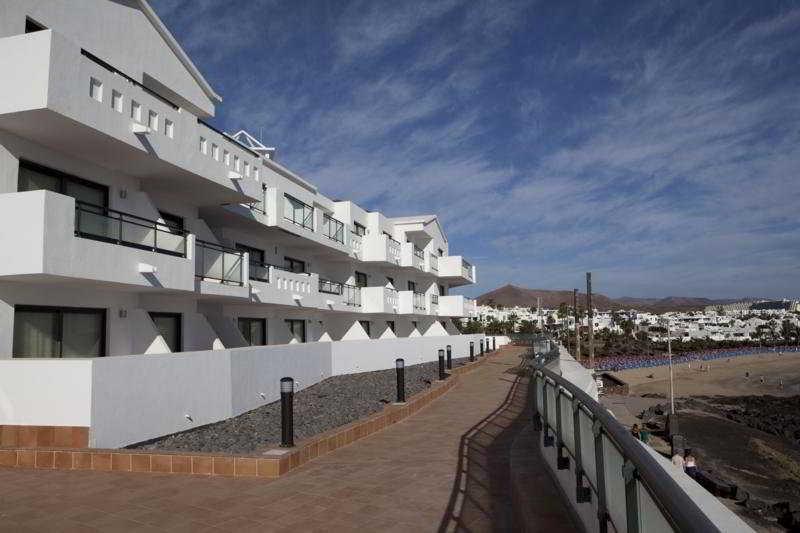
point(650, 517)
point(615, 485)
point(567, 426)
point(587, 448)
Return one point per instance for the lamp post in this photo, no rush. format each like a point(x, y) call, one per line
point(671, 375)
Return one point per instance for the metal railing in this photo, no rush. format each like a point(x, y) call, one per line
point(633, 492)
point(434, 298)
point(419, 253)
point(434, 263)
point(330, 287)
point(298, 213)
point(351, 294)
point(466, 269)
point(332, 228)
point(109, 225)
point(218, 263)
point(259, 271)
point(419, 300)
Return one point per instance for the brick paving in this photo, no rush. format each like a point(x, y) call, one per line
point(443, 469)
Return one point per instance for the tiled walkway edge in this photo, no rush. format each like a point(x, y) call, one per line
point(57, 458)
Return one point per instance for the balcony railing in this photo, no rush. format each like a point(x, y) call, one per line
point(352, 295)
point(613, 469)
point(109, 225)
point(332, 228)
point(259, 271)
point(435, 298)
point(434, 263)
point(419, 253)
point(298, 213)
point(419, 300)
point(218, 263)
point(466, 269)
point(330, 287)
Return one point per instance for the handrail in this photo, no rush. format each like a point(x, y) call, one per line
point(352, 295)
point(434, 298)
point(84, 228)
point(204, 271)
point(330, 287)
point(419, 252)
point(676, 506)
point(228, 138)
point(418, 299)
point(308, 212)
point(391, 240)
point(338, 233)
point(255, 268)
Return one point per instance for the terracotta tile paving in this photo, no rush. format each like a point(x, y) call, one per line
point(443, 469)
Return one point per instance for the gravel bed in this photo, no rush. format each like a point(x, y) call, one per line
point(334, 402)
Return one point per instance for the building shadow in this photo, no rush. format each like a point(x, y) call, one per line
point(481, 496)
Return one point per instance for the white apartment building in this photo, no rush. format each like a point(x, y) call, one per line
point(118, 200)
point(131, 226)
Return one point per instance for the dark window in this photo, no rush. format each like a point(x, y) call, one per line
point(173, 222)
point(294, 265)
point(441, 290)
point(254, 330)
point(414, 324)
point(33, 177)
point(361, 279)
point(390, 280)
point(256, 255)
point(443, 323)
point(440, 252)
point(358, 229)
point(32, 26)
point(390, 323)
point(365, 325)
point(169, 327)
point(59, 332)
point(297, 328)
point(412, 286)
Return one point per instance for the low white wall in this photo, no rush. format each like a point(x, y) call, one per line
point(133, 398)
point(37, 392)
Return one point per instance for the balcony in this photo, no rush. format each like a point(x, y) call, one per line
point(66, 99)
point(457, 305)
point(433, 304)
point(455, 270)
point(221, 271)
point(340, 296)
point(298, 213)
point(356, 245)
point(379, 300)
point(52, 237)
point(332, 229)
point(412, 256)
point(381, 249)
point(411, 303)
point(432, 264)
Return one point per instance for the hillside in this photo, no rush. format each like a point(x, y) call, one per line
point(512, 295)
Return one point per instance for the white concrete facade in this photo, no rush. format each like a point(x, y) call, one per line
point(117, 197)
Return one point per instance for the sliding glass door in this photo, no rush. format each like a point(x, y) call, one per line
point(254, 330)
point(58, 332)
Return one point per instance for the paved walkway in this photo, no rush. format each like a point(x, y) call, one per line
point(443, 469)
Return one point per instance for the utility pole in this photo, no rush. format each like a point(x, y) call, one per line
point(671, 380)
point(577, 325)
point(590, 313)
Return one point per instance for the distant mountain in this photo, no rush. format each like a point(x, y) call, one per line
point(513, 295)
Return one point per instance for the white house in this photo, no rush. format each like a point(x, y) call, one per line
point(131, 226)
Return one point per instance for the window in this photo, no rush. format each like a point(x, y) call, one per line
point(255, 172)
point(297, 329)
point(168, 326)
point(390, 324)
point(33, 177)
point(116, 101)
point(294, 265)
point(443, 323)
point(59, 332)
point(441, 290)
point(412, 286)
point(365, 325)
point(203, 146)
point(215, 152)
point(414, 324)
point(259, 271)
point(136, 111)
point(173, 222)
point(358, 229)
point(254, 330)
point(361, 279)
point(152, 121)
point(169, 128)
point(247, 169)
point(236, 163)
point(440, 252)
point(390, 280)
point(96, 89)
point(227, 158)
point(32, 26)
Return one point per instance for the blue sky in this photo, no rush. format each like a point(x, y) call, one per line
point(655, 143)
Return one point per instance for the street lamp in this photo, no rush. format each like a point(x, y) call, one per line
point(671, 377)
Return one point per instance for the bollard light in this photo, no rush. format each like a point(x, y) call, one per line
point(400, 367)
point(449, 357)
point(494, 343)
point(481, 347)
point(441, 365)
point(287, 413)
point(472, 351)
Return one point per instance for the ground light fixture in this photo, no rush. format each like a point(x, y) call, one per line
point(400, 368)
point(481, 341)
point(287, 412)
point(442, 375)
point(449, 357)
point(472, 351)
